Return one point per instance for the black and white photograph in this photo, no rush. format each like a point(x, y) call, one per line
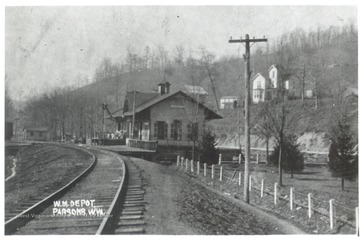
point(162, 119)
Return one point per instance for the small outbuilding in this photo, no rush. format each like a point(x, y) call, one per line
point(35, 133)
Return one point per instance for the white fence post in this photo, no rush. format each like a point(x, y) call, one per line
point(275, 193)
point(204, 169)
point(250, 177)
point(192, 165)
point(186, 164)
point(239, 178)
point(220, 158)
point(182, 162)
point(291, 198)
point(309, 204)
point(240, 158)
point(257, 158)
point(331, 212)
point(198, 167)
point(212, 171)
point(357, 220)
point(262, 188)
point(221, 173)
point(178, 161)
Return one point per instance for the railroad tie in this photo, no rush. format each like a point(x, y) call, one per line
point(131, 212)
point(135, 208)
point(136, 198)
point(135, 202)
point(130, 230)
point(131, 217)
point(135, 186)
point(130, 223)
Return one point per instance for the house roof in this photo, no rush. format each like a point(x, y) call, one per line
point(277, 66)
point(164, 82)
point(140, 98)
point(351, 91)
point(193, 89)
point(156, 100)
point(258, 75)
point(229, 97)
point(36, 129)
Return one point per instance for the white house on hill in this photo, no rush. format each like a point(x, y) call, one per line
point(273, 75)
point(259, 88)
point(264, 88)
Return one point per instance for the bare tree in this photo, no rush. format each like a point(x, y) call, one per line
point(264, 126)
point(281, 112)
point(9, 106)
point(192, 109)
point(283, 117)
point(207, 61)
point(163, 57)
point(179, 55)
point(192, 106)
point(61, 100)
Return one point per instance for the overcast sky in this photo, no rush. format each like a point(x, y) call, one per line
point(50, 46)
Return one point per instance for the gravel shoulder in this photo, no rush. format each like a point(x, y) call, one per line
point(178, 204)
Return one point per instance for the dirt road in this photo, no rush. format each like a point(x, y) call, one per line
point(179, 205)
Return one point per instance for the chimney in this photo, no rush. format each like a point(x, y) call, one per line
point(163, 87)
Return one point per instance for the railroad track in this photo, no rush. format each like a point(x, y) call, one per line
point(131, 216)
point(87, 205)
point(18, 214)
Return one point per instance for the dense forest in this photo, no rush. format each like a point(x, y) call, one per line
point(325, 59)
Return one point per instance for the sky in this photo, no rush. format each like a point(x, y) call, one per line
point(46, 47)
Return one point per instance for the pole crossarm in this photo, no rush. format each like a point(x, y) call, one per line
point(247, 40)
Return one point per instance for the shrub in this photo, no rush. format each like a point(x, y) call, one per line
point(292, 158)
point(208, 153)
point(343, 161)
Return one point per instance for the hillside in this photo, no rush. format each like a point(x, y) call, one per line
point(325, 60)
point(312, 126)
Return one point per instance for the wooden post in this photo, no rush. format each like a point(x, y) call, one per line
point(309, 205)
point(212, 171)
point(247, 76)
point(239, 178)
point(331, 212)
point(240, 158)
point(275, 193)
point(250, 183)
point(182, 162)
point(262, 188)
point(291, 198)
point(257, 159)
point(204, 169)
point(186, 164)
point(198, 167)
point(357, 220)
point(192, 165)
point(178, 161)
point(221, 173)
point(220, 159)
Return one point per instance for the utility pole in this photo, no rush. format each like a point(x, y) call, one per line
point(303, 84)
point(247, 42)
point(133, 119)
point(103, 121)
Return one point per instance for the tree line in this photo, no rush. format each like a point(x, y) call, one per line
point(323, 58)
